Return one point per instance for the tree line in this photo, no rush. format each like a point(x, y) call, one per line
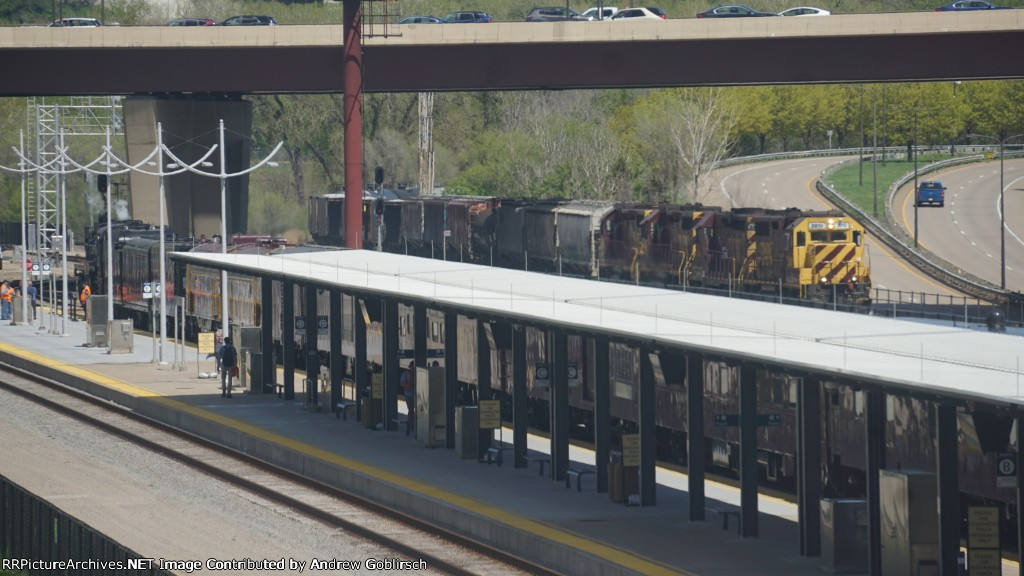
point(643, 145)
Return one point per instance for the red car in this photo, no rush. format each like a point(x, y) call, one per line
point(192, 22)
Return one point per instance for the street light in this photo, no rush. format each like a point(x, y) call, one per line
point(24, 246)
point(1002, 212)
point(176, 169)
point(224, 175)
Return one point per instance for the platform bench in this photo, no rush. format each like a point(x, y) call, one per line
point(726, 513)
point(403, 419)
point(541, 461)
point(279, 388)
point(578, 473)
point(494, 455)
point(342, 409)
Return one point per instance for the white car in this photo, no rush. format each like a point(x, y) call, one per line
point(75, 23)
point(650, 13)
point(605, 13)
point(804, 11)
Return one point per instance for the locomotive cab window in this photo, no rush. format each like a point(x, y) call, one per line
point(856, 238)
point(828, 236)
point(801, 239)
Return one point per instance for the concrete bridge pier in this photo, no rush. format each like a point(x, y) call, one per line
point(189, 129)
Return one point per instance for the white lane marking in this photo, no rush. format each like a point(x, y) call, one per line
point(1000, 213)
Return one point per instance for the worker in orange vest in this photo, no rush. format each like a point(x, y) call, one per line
point(6, 294)
point(83, 297)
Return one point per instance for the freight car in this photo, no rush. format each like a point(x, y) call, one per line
point(135, 255)
point(810, 256)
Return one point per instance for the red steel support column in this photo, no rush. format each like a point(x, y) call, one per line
point(353, 109)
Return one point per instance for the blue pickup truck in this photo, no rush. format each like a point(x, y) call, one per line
point(931, 193)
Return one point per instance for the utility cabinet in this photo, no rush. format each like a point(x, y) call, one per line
point(96, 322)
point(430, 406)
point(122, 337)
point(844, 535)
point(910, 522)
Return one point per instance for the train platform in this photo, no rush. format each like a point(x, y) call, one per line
point(575, 532)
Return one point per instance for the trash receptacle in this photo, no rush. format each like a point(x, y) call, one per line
point(255, 367)
point(467, 432)
point(615, 491)
point(16, 314)
point(370, 411)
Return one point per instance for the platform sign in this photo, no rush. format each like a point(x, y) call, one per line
point(35, 268)
point(574, 374)
point(206, 340)
point(630, 449)
point(984, 562)
point(542, 377)
point(147, 290)
point(490, 414)
point(300, 325)
point(1006, 471)
point(377, 386)
point(322, 325)
point(982, 527)
point(763, 420)
point(726, 420)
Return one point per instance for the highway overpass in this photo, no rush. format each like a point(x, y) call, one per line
point(918, 46)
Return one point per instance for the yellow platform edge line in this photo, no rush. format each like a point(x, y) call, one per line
point(539, 528)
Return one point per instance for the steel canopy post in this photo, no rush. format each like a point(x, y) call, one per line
point(353, 114)
point(695, 433)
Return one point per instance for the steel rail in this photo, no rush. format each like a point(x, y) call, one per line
point(435, 562)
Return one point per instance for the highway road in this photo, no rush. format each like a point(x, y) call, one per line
point(965, 232)
point(790, 183)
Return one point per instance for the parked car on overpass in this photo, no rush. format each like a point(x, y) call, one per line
point(192, 22)
point(468, 17)
point(968, 5)
point(75, 23)
point(553, 14)
point(250, 20)
point(804, 11)
point(596, 13)
point(647, 13)
point(732, 11)
point(421, 19)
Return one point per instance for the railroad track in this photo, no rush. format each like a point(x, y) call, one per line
point(409, 538)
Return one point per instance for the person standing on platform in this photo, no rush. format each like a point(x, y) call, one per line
point(228, 367)
point(33, 297)
point(408, 383)
point(6, 294)
point(83, 297)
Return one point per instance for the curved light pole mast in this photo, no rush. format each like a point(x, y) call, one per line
point(163, 249)
point(24, 245)
point(223, 174)
point(63, 243)
point(225, 326)
point(110, 245)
